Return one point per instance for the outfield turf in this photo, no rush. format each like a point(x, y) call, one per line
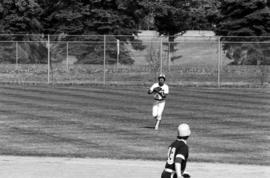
point(228, 125)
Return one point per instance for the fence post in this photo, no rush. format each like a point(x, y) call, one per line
point(219, 61)
point(17, 55)
point(67, 57)
point(104, 62)
point(161, 55)
point(118, 53)
point(49, 56)
point(169, 56)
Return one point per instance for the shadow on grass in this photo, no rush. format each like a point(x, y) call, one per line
point(148, 127)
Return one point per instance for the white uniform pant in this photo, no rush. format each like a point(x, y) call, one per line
point(158, 108)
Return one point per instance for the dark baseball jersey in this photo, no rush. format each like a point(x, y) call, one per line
point(177, 150)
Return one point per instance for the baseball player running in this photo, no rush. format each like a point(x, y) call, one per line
point(178, 154)
point(160, 91)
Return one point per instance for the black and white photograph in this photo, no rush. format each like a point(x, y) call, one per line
point(134, 88)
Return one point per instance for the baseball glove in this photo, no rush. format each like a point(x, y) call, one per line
point(157, 89)
point(186, 175)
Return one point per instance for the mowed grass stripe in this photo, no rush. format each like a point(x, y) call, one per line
point(190, 101)
point(71, 130)
point(39, 112)
point(76, 125)
point(191, 98)
point(261, 92)
point(199, 103)
point(81, 100)
point(218, 135)
point(212, 104)
point(96, 114)
point(113, 131)
point(220, 97)
point(54, 104)
point(230, 111)
point(127, 94)
point(102, 92)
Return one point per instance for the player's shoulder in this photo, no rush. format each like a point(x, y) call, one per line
point(155, 85)
point(181, 143)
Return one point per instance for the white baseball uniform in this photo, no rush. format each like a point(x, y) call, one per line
point(159, 103)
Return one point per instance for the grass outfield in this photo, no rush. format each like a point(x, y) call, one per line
point(228, 125)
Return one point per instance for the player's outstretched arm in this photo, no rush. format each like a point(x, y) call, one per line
point(178, 169)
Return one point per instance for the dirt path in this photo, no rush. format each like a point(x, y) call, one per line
point(35, 167)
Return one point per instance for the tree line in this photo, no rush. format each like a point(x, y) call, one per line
point(127, 17)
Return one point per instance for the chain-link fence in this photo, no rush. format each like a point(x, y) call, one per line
point(105, 59)
point(245, 60)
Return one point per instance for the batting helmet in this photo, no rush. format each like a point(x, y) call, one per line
point(162, 76)
point(183, 130)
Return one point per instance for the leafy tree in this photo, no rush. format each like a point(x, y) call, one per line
point(92, 17)
point(97, 17)
point(75, 17)
point(245, 18)
point(175, 17)
point(20, 16)
point(237, 17)
point(170, 19)
point(204, 14)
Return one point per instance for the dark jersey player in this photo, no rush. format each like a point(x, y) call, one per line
point(178, 154)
